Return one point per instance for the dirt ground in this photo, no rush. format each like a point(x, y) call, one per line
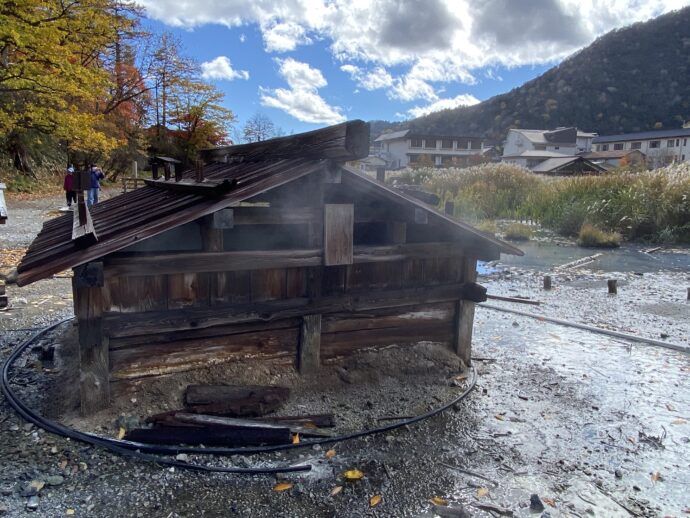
point(595, 426)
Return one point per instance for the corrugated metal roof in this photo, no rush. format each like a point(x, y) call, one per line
point(392, 136)
point(594, 155)
point(553, 164)
point(644, 135)
point(534, 153)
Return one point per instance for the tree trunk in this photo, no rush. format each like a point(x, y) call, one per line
point(20, 158)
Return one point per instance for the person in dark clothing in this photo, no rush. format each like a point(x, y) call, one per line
point(67, 185)
point(96, 177)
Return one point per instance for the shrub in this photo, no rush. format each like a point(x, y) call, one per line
point(487, 226)
point(518, 232)
point(591, 236)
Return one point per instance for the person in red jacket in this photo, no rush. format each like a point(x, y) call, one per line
point(70, 194)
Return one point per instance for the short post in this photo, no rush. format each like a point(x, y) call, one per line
point(547, 282)
point(613, 286)
point(381, 174)
point(154, 171)
point(135, 169)
point(309, 359)
point(449, 208)
point(199, 171)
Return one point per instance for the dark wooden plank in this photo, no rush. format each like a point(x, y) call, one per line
point(226, 436)
point(206, 188)
point(429, 314)
point(94, 384)
point(396, 232)
point(187, 290)
point(212, 241)
point(268, 284)
point(135, 294)
point(223, 218)
point(235, 400)
point(338, 234)
point(153, 322)
point(89, 275)
point(464, 316)
point(309, 357)
point(296, 283)
point(346, 141)
point(83, 232)
point(276, 215)
point(237, 288)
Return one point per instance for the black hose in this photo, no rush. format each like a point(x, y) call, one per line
point(143, 452)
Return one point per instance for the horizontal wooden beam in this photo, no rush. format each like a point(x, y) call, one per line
point(155, 322)
point(196, 262)
point(346, 141)
point(205, 188)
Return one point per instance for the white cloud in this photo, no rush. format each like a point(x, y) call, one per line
point(443, 104)
point(301, 99)
point(221, 68)
point(282, 37)
point(374, 79)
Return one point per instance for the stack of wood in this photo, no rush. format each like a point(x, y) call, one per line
point(229, 415)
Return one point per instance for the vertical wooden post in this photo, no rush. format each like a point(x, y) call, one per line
point(381, 174)
point(464, 315)
point(613, 286)
point(396, 232)
point(338, 234)
point(94, 370)
point(154, 171)
point(212, 241)
point(309, 357)
point(547, 282)
point(135, 169)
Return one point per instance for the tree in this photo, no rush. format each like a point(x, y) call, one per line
point(259, 127)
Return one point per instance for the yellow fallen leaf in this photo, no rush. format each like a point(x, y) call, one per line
point(500, 417)
point(656, 476)
point(37, 484)
point(437, 500)
point(121, 433)
point(353, 474)
point(549, 501)
point(330, 454)
point(295, 438)
point(336, 490)
point(69, 512)
point(482, 491)
point(375, 500)
point(282, 486)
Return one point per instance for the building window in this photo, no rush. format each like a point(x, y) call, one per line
point(618, 147)
point(414, 159)
point(476, 144)
point(557, 147)
point(540, 147)
point(685, 142)
point(669, 143)
point(604, 147)
point(416, 142)
point(636, 145)
point(677, 142)
point(430, 144)
point(654, 144)
point(683, 158)
point(446, 144)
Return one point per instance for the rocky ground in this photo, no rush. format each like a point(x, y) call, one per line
point(595, 426)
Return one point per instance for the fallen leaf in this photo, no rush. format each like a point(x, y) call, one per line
point(678, 421)
point(500, 417)
point(656, 476)
point(282, 486)
point(63, 464)
point(37, 484)
point(330, 454)
point(437, 500)
point(295, 438)
point(631, 440)
point(336, 490)
point(353, 474)
point(375, 500)
point(482, 491)
point(69, 512)
point(549, 501)
point(121, 433)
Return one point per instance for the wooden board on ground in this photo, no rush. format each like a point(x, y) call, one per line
point(235, 400)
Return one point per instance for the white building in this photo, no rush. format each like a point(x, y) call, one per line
point(564, 141)
point(403, 148)
point(660, 146)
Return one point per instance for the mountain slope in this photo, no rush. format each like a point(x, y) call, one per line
point(630, 79)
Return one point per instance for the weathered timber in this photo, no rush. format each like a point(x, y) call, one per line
point(3, 205)
point(579, 262)
point(396, 232)
point(346, 141)
point(186, 290)
point(518, 300)
point(244, 436)
point(235, 400)
point(150, 322)
point(547, 282)
point(194, 262)
point(309, 420)
point(309, 356)
point(94, 381)
point(464, 315)
point(89, 275)
point(205, 188)
point(83, 233)
point(223, 218)
point(212, 241)
point(213, 421)
point(133, 294)
point(612, 286)
point(157, 359)
point(425, 315)
point(338, 233)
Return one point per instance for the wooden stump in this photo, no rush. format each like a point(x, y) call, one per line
point(613, 286)
point(309, 359)
point(547, 282)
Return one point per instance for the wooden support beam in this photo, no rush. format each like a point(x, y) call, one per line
point(221, 219)
point(346, 141)
point(309, 357)
point(94, 373)
point(89, 275)
point(83, 232)
point(206, 188)
point(338, 234)
point(464, 315)
point(396, 232)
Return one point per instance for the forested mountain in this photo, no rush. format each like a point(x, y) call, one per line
point(631, 79)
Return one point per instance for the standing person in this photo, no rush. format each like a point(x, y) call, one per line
point(67, 185)
point(96, 176)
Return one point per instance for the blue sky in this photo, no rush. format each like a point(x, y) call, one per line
point(310, 63)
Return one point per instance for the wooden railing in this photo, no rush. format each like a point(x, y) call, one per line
point(130, 183)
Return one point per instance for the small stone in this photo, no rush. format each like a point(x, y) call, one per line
point(32, 503)
point(618, 473)
point(515, 324)
point(53, 450)
point(390, 439)
point(55, 480)
point(535, 504)
point(182, 457)
point(664, 335)
point(637, 488)
point(28, 427)
point(3, 509)
point(6, 490)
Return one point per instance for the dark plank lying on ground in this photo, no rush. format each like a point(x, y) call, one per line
point(231, 400)
point(221, 436)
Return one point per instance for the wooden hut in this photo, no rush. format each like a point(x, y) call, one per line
point(271, 249)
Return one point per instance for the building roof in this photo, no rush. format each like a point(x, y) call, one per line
point(603, 155)
point(150, 210)
point(392, 136)
point(643, 135)
point(410, 134)
point(553, 165)
point(536, 153)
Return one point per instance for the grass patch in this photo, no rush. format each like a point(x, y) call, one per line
point(593, 237)
point(487, 226)
point(518, 232)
